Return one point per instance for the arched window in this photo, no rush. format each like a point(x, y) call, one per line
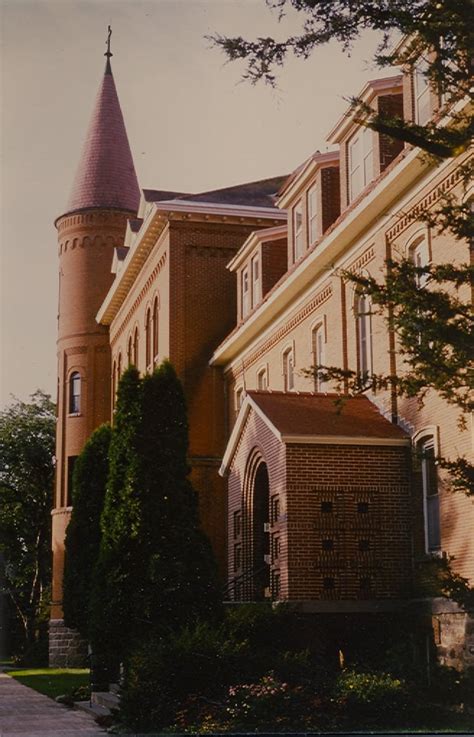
point(262, 379)
point(288, 370)
point(119, 366)
point(114, 382)
point(156, 329)
point(239, 398)
point(130, 351)
point(75, 393)
point(419, 255)
point(319, 357)
point(429, 480)
point(364, 335)
point(148, 338)
point(135, 347)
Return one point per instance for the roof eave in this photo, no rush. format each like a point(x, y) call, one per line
point(316, 162)
point(367, 94)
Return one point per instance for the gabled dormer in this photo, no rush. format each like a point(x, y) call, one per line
point(364, 153)
point(311, 196)
point(258, 265)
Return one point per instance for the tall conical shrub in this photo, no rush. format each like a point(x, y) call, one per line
point(112, 601)
point(180, 580)
point(83, 533)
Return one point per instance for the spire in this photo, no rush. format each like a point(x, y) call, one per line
point(108, 53)
point(106, 175)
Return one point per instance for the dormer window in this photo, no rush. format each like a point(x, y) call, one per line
point(361, 161)
point(245, 292)
point(298, 231)
point(256, 281)
point(422, 93)
point(312, 215)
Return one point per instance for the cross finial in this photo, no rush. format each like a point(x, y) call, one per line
point(108, 53)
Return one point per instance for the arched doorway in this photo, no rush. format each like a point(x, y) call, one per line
point(260, 532)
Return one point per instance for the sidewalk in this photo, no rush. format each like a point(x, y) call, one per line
point(27, 713)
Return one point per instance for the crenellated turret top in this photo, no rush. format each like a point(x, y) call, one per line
point(106, 175)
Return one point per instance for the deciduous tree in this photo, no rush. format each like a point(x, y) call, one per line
point(27, 436)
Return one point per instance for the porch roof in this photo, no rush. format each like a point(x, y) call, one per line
point(316, 419)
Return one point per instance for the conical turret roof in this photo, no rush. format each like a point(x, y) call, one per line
point(106, 174)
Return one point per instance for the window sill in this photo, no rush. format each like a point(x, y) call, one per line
point(75, 414)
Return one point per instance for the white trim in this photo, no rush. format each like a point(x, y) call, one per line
point(213, 208)
point(309, 170)
point(278, 232)
point(249, 404)
point(342, 440)
point(153, 229)
point(321, 320)
point(429, 431)
point(302, 278)
point(372, 89)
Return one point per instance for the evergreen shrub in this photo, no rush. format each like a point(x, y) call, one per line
point(171, 680)
point(371, 695)
point(83, 533)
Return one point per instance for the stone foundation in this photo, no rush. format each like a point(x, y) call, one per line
point(66, 647)
point(453, 634)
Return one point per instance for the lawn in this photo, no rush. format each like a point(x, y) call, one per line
point(52, 681)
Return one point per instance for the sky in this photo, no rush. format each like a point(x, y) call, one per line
point(193, 125)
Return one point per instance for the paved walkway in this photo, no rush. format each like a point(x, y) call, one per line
point(27, 713)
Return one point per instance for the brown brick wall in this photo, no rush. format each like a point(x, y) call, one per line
point(390, 106)
point(330, 196)
point(274, 262)
point(197, 296)
point(86, 244)
point(303, 476)
point(293, 327)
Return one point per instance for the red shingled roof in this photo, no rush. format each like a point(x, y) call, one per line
point(106, 175)
point(318, 415)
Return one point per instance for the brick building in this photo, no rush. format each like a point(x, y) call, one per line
point(241, 289)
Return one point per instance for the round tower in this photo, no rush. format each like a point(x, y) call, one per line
point(104, 196)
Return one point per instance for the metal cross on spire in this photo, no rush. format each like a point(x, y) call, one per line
point(108, 53)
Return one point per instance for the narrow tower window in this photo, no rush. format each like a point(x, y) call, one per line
point(148, 338)
point(155, 331)
point(75, 393)
point(135, 348)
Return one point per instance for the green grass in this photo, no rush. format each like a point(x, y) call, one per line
point(52, 681)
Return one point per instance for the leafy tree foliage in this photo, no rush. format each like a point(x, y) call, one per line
point(27, 436)
point(445, 26)
point(83, 533)
point(426, 306)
